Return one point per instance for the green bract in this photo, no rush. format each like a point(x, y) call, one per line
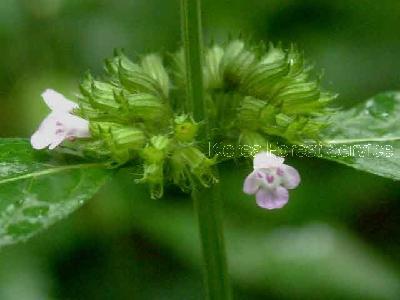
point(254, 95)
point(264, 90)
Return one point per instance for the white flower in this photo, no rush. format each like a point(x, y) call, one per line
point(57, 102)
point(270, 180)
point(60, 124)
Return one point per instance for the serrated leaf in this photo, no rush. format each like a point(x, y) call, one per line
point(367, 136)
point(36, 190)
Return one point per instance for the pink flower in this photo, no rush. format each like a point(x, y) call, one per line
point(271, 180)
point(60, 124)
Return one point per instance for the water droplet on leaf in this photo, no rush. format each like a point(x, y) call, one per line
point(381, 107)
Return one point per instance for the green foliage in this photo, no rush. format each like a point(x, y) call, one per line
point(265, 253)
point(106, 250)
point(254, 95)
point(38, 189)
point(367, 136)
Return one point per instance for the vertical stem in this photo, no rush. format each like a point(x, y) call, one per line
point(207, 201)
point(193, 45)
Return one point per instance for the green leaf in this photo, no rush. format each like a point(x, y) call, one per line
point(367, 136)
point(37, 189)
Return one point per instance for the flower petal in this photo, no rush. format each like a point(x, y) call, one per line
point(272, 199)
point(251, 183)
point(57, 140)
point(291, 177)
point(57, 127)
point(57, 102)
point(46, 133)
point(264, 160)
point(39, 140)
point(75, 126)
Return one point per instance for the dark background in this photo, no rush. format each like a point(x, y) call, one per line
point(338, 238)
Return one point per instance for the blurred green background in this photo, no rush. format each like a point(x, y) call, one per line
point(339, 236)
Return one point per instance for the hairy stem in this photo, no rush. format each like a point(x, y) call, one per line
point(207, 201)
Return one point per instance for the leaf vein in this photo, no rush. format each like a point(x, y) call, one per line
point(50, 171)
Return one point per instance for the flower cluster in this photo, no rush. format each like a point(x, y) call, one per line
point(261, 93)
point(137, 113)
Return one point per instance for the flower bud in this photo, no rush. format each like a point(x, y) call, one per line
point(85, 85)
point(135, 80)
point(142, 106)
point(268, 115)
point(185, 128)
point(283, 120)
point(189, 163)
point(153, 66)
point(102, 97)
point(249, 112)
point(213, 77)
point(157, 150)
point(153, 175)
point(269, 71)
point(236, 61)
point(179, 70)
point(253, 139)
point(154, 155)
point(122, 141)
point(300, 98)
point(97, 100)
point(111, 65)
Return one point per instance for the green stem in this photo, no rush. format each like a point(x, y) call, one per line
point(193, 45)
point(208, 207)
point(207, 201)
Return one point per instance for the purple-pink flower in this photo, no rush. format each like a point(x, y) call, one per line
point(271, 180)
